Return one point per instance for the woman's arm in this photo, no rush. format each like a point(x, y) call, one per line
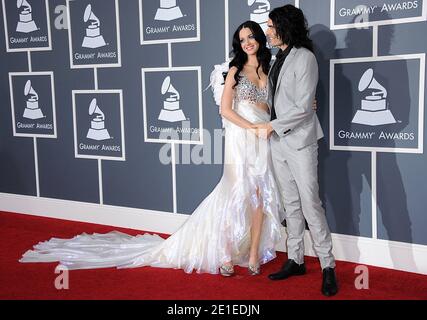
point(227, 102)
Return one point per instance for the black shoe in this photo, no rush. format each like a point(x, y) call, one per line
point(290, 268)
point(329, 284)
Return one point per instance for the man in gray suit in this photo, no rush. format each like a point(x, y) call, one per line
point(293, 131)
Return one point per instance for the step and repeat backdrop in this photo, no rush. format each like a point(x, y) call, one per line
point(106, 102)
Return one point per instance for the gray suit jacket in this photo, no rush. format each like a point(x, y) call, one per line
point(293, 100)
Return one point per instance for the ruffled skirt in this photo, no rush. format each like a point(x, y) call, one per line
point(218, 231)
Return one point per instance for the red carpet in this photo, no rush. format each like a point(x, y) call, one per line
point(36, 281)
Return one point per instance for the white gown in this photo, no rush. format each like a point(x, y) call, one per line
point(216, 232)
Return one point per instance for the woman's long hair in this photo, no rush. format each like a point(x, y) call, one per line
point(240, 57)
point(291, 26)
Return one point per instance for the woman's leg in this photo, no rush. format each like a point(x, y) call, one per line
point(227, 267)
point(256, 228)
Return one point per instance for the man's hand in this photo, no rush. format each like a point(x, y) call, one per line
point(263, 130)
point(314, 106)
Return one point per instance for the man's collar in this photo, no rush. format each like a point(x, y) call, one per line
point(282, 53)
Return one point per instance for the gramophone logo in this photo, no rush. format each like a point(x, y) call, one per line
point(373, 111)
point(260, 14)
point(93, 37)
point(32, 102)
point(97, 130)
point(32, 109)
point(171, 111)
point(168, 11)
point(26, 23)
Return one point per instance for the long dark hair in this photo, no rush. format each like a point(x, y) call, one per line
point(291, 26)
point(240, 57)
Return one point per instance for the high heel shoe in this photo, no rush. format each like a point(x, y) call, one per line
point(226, 271)
point(254, 270)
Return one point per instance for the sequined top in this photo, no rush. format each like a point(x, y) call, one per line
point(246, 90)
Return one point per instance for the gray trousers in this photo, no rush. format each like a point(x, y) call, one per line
point(296, 175)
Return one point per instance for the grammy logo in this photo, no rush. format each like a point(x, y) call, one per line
point(26, 23)
point(93, 37)
point(97, 129)
point(168, 11)
point(260, 14)
point(373, 111)
point(171, 111)
point(32, 109)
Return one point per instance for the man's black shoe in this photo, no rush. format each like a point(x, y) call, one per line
point(329, 284)
point(290, 268)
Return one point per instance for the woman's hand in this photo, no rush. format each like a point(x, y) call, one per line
point(262, 130)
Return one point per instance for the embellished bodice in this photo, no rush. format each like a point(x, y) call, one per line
point(246, 90)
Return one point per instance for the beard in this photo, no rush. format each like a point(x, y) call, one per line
point(273, 42)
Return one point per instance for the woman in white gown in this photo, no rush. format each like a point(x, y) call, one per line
point(237, 223)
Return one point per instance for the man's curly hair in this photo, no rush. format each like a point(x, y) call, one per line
point(291, 26)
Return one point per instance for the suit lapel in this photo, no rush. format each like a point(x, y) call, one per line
point(287, 62)
point(269, 86)
point(269, 71)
